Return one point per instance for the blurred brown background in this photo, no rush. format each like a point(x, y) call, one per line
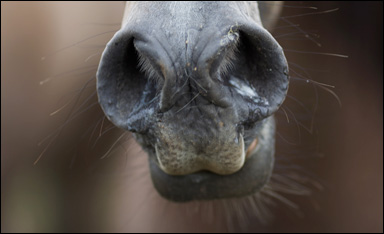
point(71, 189)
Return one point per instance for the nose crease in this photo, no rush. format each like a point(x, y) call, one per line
point(195, 67)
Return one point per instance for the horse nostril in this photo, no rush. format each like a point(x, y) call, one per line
point(259, 72)
point(127, 81)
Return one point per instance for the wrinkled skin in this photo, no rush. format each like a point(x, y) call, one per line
point(198, 84)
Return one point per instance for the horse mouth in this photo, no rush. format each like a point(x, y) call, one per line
point(207, 185)
point(243, 156)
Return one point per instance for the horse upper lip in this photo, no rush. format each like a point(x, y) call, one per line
point(187, 161)
point(245, 155)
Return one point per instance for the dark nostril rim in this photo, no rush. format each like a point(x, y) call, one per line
point(120, 84)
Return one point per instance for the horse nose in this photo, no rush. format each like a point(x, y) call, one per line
point(143, 74)
point(202, 60)
point(206, 61)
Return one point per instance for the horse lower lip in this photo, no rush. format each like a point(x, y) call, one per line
point(251, 148)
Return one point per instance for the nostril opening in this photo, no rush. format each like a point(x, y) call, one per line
point(222, 62)
point(146, 62)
